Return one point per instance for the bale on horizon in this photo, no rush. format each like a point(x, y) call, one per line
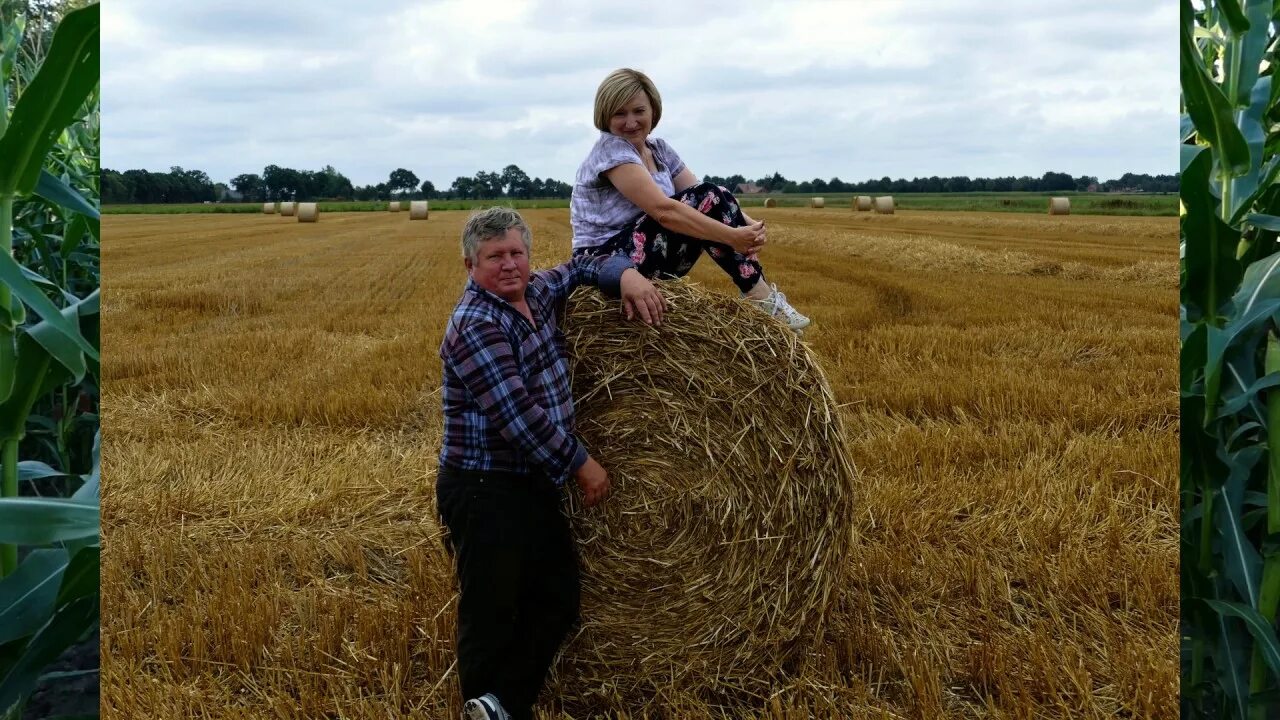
point(711, 565)
point(817, 202)
point(770, 202)
point(394, 206)
point(288, 208)
point(884, 204)
point(308, 212)
point(269, 208)
point(1059, 206)
point(418, 210)
point(862, 202)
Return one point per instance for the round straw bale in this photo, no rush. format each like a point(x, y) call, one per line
point(1059, 206)
point(269, 208)
point(308, 212)
point(770, 202)
point(418, 210)
point(394, 206)
point(862, 202)
point(884, 204)
point(817, 202)
point(288, 208)
point(711, 565)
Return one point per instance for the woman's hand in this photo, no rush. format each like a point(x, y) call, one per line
point(748, 239)
point(640, 297)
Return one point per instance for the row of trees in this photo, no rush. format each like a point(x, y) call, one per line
point(1049, 182)
point(281, 183)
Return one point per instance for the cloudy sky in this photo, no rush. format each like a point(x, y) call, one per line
point(855, 90)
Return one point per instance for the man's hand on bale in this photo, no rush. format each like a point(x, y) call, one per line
point(640, 297)
point(593, 480)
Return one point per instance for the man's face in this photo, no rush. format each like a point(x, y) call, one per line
point(502, 266)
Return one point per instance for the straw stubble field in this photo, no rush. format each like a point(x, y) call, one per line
point(272, 420)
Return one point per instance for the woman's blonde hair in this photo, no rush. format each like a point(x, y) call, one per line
point(617, 88)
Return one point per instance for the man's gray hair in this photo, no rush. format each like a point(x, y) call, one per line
point(489, 224)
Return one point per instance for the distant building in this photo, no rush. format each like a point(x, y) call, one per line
point(749, 189)
point(1093, 187)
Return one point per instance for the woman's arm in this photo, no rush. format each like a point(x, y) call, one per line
point(635, 184)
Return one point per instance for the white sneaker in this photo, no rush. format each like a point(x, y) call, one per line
point(485, 707)
point(776, 305)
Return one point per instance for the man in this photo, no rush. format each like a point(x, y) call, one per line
point(508, 449)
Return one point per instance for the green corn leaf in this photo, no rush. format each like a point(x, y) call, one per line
point(58, 345)
point(75, 233)
point(52, 101)
point(12, 275)
point(1212, 269)
point(1241, 561)
point(1245, 187)
point(1242, 400)
point(1192, 359)
point(81, 578)
point(1234, 16)
point(1208, 107)
point(1185, 128)
point(1245, 46)
point(1229, 655)
point(27, 596)
point(89, 492)
point(40, 521)
point(1264, 636)
point(56, 191)
point(34, 470)
point(63, 630)
point(1266, 222)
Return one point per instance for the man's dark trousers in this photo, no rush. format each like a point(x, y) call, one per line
point(519, 581)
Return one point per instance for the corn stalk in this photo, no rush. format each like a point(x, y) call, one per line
point(1230, 369)
point(50, 600)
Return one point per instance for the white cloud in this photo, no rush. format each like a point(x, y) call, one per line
point(809, 89)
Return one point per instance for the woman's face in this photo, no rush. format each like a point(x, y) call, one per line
point(634, 119)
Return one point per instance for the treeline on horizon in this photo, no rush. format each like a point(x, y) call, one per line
point(280, 183)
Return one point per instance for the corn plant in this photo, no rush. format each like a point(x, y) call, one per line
point(1230, 362)
point(48, 344)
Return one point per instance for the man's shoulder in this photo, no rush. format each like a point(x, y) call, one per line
point(471, 311)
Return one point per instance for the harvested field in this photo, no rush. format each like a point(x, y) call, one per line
point(1007, 383)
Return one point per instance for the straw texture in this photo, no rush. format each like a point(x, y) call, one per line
point(710, 568)
point(308, 212)
point(288, 208)
point(418, 210)
point(269, 208)
point(862, 202)
point(770, 202)
point(817, 202)
point(394, 206)
point(884, 204)
point(1059, 206)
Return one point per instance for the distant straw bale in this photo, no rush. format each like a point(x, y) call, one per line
point(418, 210)
point(1059, 206)
point(711, 566)
point(269, 208)
point(394, 206)
point(862, 202)
point(817, 202)
point(308, 212)
point(287, 208)
point(884, 204)
point(770, 202)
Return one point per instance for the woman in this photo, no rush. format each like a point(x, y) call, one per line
point(634, 196)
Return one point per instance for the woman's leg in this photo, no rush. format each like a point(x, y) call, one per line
point(659, 252)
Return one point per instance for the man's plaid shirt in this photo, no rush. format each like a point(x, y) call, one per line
point(507, 399)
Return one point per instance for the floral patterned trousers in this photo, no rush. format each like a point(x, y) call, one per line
point(660, 252)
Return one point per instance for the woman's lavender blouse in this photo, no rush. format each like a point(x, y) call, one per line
point(597, 210)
